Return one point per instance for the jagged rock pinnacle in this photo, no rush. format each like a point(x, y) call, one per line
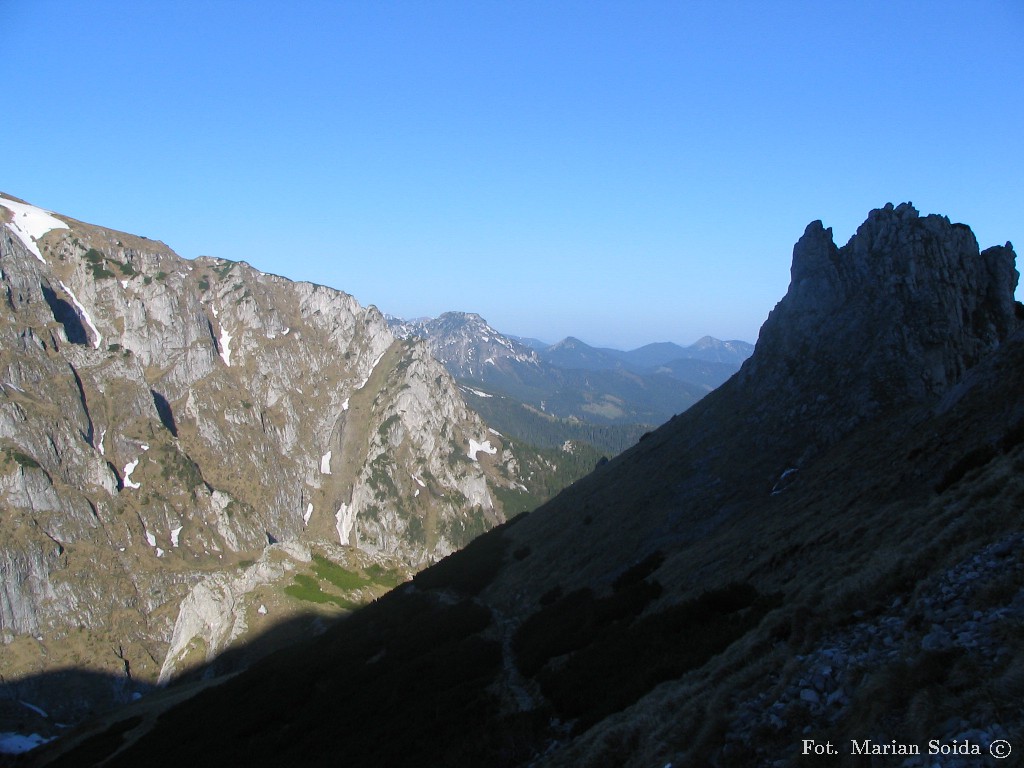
point(896, 315)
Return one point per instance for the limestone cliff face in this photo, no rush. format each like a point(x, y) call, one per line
point(162, 419)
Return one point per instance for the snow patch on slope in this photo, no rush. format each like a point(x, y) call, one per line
point(372, 369)
point(17, 744)
point(475, 447)
point(346, 517)
point(30, 224)
point(128, 469)
point(38, 710)
point(225, 345)
point(85, 315)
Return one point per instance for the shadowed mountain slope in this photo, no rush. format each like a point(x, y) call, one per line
point(828, 546)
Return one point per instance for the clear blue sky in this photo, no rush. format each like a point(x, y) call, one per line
point(623, 172)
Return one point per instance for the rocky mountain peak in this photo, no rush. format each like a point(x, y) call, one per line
point(466, 344)
point(471, 318)
point(896, 315)
point(569, 342)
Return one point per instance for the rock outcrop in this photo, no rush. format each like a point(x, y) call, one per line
point(895, 316)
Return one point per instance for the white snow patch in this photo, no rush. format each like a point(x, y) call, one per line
point(494, 432)
point(225, 345)
point(779, 486)
point(34, 708)
point(99, 443)
point(145, 446)
point(485, 446)
point(419, 482)
point(16, 743)
point(262, 610)
point(124, 283)
point(477, 392)
point(286, 331)
point(85, 315)
point(346, 517)
point(344, 406)
point(30, 224)
point(128, 469)
point(175, 533)
point(309, 514)
point(151, 539)
point(159, 552)
point(490, 360)
point(325, 464)
point(372, 369)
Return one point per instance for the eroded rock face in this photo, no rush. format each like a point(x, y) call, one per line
point(896, 315)
point(162, 420)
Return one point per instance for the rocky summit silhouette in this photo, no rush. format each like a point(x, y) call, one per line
point(896, 315)
point(824, 556)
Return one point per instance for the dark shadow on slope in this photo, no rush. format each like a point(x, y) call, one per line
point(66, 695)
point(418, 677)
point(163, 410)
point(47, 705)
point(422, 648)
point(65, 314)
point(93, 705)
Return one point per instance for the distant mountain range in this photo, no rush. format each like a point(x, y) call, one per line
point(572, 380)
point(573, 353)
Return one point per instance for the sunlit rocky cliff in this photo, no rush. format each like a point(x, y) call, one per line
point(175, 430)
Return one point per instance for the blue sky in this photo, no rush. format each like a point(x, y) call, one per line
point(623, 172)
